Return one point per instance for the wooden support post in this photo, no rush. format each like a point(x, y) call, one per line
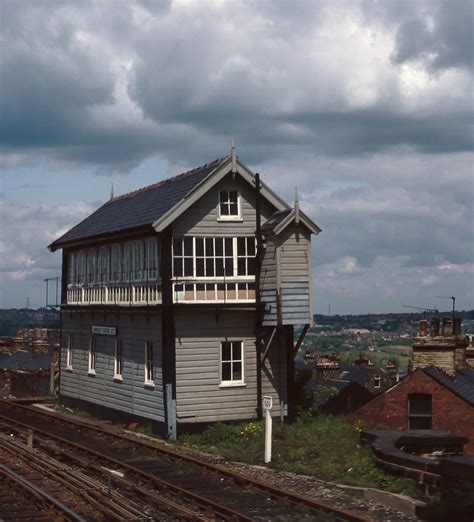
point(300, 339)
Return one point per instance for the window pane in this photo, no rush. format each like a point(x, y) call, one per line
point(233, 197)
point(226, 351)
point(229, 266)
point(223, 196)
point(177, 246)
point(188, 246)
point(188, 266)
point(419, 404)
point(199, 267)
point(237, 351)
point(251, 266)
point(241, 246)
point(210, 267)
point(250, 246)
point(419, 423)
point(224, 209)
point(241, 266)
point(209, 246)
point(226, 371)
point(219, 246)
point(237, 371)
point(178, 266)
point(199, 246)
point(228, 246)
point(219, 267)
point(233, 209)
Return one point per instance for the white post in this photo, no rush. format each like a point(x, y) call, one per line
point(267, 406)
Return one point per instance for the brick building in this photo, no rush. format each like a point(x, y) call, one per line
point(438, 394)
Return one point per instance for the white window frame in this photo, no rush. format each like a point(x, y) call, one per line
point(231, 217)
point(147, 371)
point(377, 381)
point(69, 352)
point(118, 361)
point(235, 258)
point(232, 382)
point(92, 355)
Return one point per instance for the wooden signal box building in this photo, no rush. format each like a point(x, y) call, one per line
point(179, 300)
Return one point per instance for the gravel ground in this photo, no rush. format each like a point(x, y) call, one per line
point(311, 487)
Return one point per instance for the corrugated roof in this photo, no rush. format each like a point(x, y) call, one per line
point(138, 208)
point(461, 384)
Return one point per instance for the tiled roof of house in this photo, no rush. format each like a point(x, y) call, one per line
point(138, 208)
point(461, 384)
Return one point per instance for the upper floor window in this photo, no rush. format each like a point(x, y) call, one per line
point(129, 261)
point(213, 257)
point(229, 204)
point(419, 411)
point(377, 381)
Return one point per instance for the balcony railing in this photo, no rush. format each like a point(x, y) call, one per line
point(125, 288)
point(228, 290)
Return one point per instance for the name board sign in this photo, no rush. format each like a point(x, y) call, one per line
point(104, 330)
point(267, 402)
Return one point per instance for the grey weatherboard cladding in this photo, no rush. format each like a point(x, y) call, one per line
point(137, 209)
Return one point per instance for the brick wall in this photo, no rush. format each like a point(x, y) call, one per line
point(389, 410)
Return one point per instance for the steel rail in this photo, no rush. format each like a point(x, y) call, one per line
point(223, 511)
point(274, 492)
point(113, 507)
point(39, 493)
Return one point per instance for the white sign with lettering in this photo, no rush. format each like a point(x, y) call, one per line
point(267, 402)
point(104, 330)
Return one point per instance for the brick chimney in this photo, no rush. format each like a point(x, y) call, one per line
point(327, 367)
point(444, 348)
point(470, 351)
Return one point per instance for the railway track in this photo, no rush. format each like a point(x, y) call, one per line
point(205, 490)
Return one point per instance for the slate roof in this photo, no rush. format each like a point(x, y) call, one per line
point(461, 384)
point(139, 208)
point(355, 373)
point(275, 219)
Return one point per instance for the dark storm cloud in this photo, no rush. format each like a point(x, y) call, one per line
point(83, 83)
point(442, 41)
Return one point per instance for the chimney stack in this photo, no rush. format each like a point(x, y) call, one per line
point(446, 351)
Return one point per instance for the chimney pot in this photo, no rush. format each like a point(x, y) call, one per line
point(423, 328)
point(434, 327)
point(447, 327)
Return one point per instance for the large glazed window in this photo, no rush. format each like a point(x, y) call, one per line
point(419, 411)
point(232, 363)
point(213, 257)
point(128, 261)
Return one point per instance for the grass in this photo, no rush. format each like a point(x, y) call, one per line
point(324, 446)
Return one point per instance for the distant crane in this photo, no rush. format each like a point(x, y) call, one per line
point(421, 309)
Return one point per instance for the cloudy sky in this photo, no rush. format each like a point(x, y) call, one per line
point(366, 106)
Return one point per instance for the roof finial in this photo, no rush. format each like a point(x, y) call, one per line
point(112, 192)
point(297, 207)
point(234, 156)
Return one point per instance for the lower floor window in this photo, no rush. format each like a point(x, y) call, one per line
point(419, 411)
point(69, 352)
point(149, 362)
point(92, 355)
point(118, 367)
point(232, 362)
